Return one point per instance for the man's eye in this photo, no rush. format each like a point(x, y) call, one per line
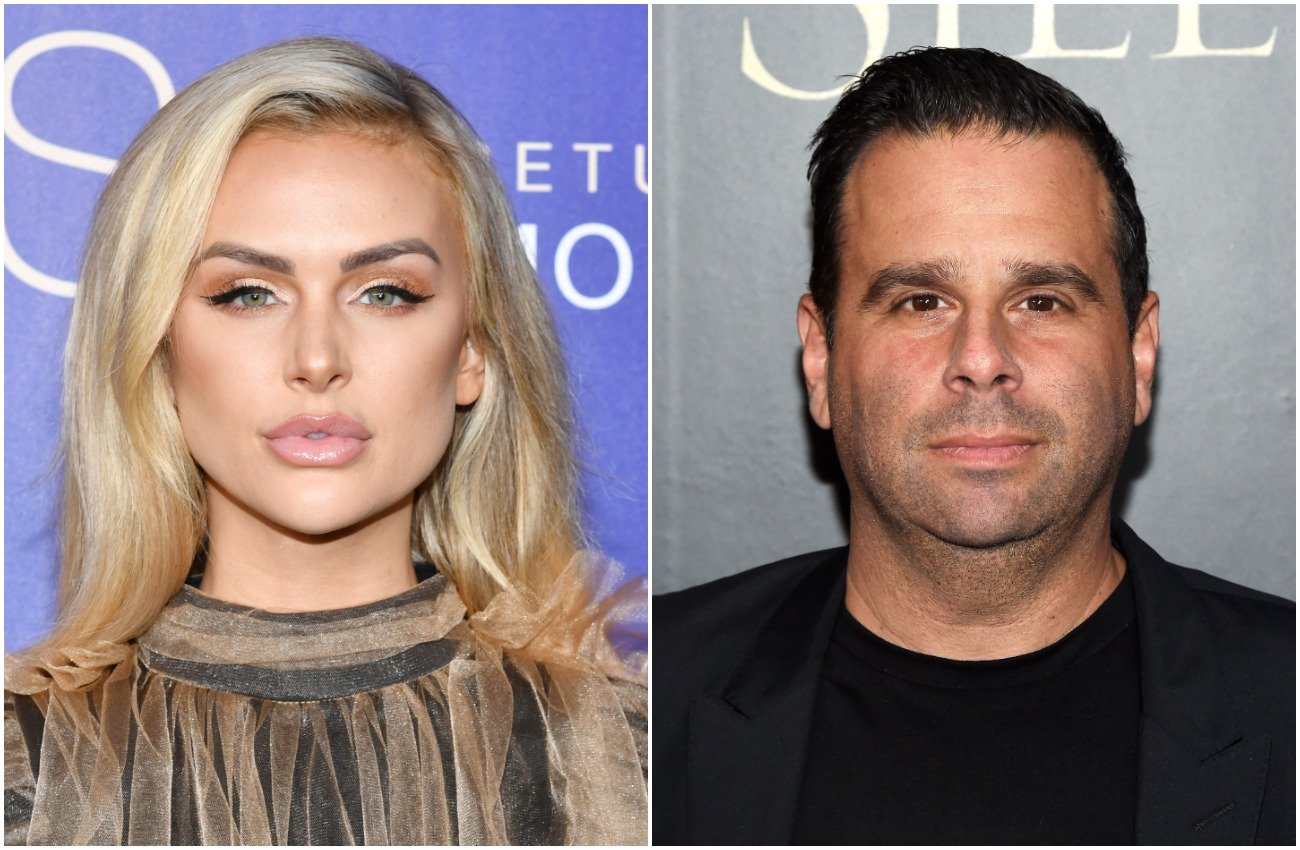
point(922, 303)
point(1041, 303)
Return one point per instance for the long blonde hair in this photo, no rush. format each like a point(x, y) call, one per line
point(500, 509)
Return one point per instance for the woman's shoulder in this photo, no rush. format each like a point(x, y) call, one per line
point(35, 681)
point(579, 650)
point(53, 670)
point(590, 621)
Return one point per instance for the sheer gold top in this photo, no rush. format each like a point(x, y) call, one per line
point(399, 722)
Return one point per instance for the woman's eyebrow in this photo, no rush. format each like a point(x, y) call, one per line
point(366, 256)
point(248, 256)
point(387, 251)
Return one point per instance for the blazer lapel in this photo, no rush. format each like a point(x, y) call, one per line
point(1200, 776)
point(747, 744)
point(1189, 794)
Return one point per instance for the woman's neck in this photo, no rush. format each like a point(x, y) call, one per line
point(254, 562)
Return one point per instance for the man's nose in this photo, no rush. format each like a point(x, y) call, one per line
point(982, 358)
point(317, 350)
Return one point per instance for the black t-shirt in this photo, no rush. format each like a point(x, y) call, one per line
point(908, 748)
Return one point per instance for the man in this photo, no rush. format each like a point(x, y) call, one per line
point(993, 658)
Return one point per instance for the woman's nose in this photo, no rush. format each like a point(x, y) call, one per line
point(316, 358)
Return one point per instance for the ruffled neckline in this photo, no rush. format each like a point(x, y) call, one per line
point(592, 617)
point(304, 655)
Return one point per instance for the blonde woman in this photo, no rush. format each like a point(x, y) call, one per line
point(307, 343)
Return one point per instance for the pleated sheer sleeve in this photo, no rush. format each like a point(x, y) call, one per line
point(20, 777)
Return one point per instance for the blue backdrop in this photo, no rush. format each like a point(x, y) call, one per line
point(558, 93)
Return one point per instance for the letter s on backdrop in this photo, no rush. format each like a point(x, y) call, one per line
point(24, 139)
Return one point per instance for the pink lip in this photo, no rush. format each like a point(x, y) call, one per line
point(326, 441)
point(985, 451)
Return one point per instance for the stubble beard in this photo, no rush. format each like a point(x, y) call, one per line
point(981, 542)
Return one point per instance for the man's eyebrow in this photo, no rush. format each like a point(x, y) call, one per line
point(248, 256)
point(897, 276)
point(387, 251)
point(946, 272)
point(1068, 275)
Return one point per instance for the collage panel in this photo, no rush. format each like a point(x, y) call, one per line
point(332, 526)
point(914, 313)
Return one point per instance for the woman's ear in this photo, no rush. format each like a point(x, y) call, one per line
point(164, 365)
point(469, 376)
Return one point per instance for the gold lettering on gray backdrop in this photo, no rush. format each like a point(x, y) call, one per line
point(1043, 44)
point(1189, 41)
point(875, 16)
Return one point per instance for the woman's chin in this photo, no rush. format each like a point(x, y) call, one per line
point(325, 512)
point(330, 520)
point(328, 527)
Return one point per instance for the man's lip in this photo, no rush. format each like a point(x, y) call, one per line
point(977, 441)
point(329, 424)
point(985, 450)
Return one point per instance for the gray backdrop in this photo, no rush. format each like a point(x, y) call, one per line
point(742, 476)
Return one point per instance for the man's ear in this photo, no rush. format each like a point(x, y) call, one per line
point(469, 375)
point(816, 359)
point(1146, 341)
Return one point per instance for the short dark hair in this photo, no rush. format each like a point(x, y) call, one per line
point(924, 91)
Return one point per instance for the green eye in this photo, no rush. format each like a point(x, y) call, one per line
point(382, 297)
point(390, 295)
point(247, 297)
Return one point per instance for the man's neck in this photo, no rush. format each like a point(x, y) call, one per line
point(923, 594)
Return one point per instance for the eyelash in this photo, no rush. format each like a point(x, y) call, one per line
point(1060, 305)
point(411, 298)
point(903, 304)
point(227, 297)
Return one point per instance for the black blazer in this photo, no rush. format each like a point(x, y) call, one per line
point(736, 664)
